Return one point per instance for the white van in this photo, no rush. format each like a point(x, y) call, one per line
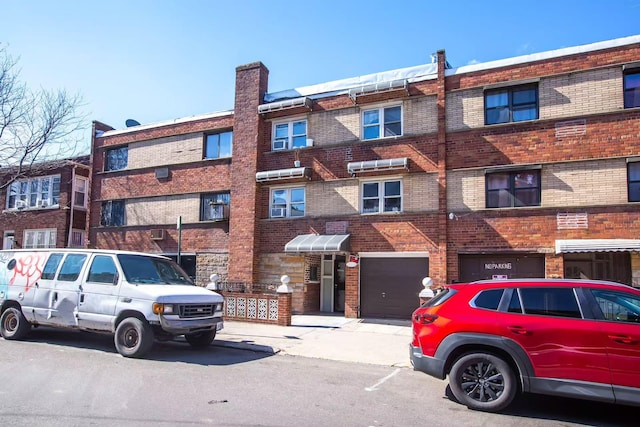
point(135, 296)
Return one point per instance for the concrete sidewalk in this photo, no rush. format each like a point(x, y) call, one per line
point(379, 342)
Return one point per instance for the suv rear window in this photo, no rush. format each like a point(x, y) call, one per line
point(489, 299)
point(440, 297)
point(550, 302)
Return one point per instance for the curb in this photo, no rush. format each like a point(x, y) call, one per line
point(258, 348)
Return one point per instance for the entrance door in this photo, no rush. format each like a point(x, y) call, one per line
point(614, 266)
point(332, 283)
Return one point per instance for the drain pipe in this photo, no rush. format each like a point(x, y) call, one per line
point(73, 201)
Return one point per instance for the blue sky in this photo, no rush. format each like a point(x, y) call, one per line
point(161, 60)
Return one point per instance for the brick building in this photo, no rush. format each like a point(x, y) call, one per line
point(46, 207)
point(359, 188)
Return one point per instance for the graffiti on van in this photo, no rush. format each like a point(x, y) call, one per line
point(21, 269)
point(4, 273)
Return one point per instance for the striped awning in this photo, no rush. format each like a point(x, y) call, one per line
point(597, 245)
point(318, 243)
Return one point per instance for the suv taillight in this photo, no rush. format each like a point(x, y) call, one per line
point(425, 318)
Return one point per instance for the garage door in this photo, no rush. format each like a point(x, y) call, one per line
point(389, 287)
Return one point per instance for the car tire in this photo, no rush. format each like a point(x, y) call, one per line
point(13, 324)
point(201, 340)
point(483, 381)
point(133, 338)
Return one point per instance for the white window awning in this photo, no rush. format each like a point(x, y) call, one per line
point(278, 174)
point(379, 87)
point(318, 243)
point(597, 245)
point(377, 165)
point(285, 105)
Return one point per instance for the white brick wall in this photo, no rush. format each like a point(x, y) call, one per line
point(420, 115)
point(166, 151)
point(465, 109)
point(465, 190)
point(334, 127)
point(420, 192)
point(584, 183)
point(568, 95)
point(342, 197)
point(329, 198)
point(576, 94)
point(570, 184)
point(163, 210)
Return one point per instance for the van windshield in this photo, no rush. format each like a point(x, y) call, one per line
point(143, 270)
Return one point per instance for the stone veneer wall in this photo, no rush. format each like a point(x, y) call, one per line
point(210, 263)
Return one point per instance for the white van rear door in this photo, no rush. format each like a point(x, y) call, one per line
point(64, 300)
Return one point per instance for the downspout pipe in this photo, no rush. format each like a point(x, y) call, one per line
point(73, 201)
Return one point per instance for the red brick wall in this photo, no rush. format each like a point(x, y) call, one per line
point(251, 81)
point(18, 221)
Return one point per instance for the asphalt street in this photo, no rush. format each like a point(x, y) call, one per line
point(62, 378)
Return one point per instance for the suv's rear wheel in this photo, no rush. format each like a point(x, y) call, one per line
point(483, 381)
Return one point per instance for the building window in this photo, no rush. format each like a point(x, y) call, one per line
point(80, 189)
point(77, 239)
point(40, 238)
point(632, 88)
point(513, 104)
point(38, 192)
point(214, 206)
point(287, 203)
point(112, 214)
point(513, 189)
point(289, 135)
point(116, 158)
point(633, 173)
point(382, 122)
point(380, 197)
point(218, 145)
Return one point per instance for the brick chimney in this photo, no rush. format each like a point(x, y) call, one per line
point(248, 128)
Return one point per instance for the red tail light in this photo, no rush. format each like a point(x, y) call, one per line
point(425, 318)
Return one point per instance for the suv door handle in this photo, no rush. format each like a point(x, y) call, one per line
point(518, 330)
point(623, 339)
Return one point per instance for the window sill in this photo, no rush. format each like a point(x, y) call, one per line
point(382, 138)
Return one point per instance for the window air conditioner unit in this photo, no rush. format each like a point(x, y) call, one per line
point(43, 203)
point(21, 204)
point(162, 173)
point(157, 234)
point(279, 144)
point(278, 212)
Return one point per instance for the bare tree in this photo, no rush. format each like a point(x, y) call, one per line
point(36, 127)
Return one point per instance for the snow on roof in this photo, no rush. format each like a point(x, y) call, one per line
point(166, 123)
point(412, 74)
point(545, 55)
point(429, 71)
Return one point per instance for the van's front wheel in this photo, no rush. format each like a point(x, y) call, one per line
point(13, 324)
point(134, 337)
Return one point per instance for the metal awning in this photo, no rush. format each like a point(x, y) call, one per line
point(597, 245)
point(318, 243)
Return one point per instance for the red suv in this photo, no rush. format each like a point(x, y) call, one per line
point(494, 339)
